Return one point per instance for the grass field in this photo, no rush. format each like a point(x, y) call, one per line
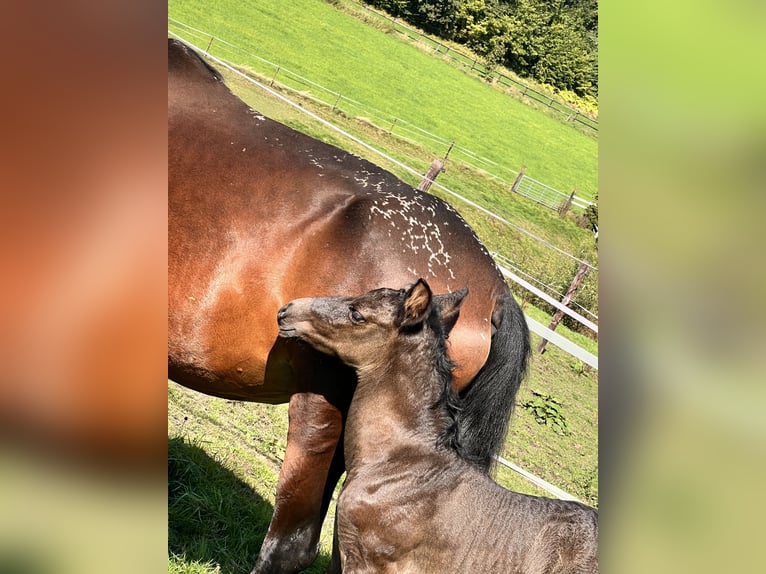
point(224, 456)
point(342, 53)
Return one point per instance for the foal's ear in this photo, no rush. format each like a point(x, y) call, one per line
point(449, 308)
point(417, 303)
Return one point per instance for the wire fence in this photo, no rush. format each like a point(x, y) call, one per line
point(275, 73)
point(550, 293)
point(547, 195)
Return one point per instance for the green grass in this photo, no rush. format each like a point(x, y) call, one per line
point(378, 69)
point(223, 464)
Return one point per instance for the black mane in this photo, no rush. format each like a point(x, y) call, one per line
point(449, 404)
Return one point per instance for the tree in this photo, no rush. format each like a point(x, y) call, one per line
point(549, 42)
point(440, 17)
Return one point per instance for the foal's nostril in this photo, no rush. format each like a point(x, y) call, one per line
point(282, 313)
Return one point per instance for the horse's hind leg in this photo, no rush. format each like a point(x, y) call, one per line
point(292, 541)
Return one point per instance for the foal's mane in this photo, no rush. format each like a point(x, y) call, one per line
point(449, 404)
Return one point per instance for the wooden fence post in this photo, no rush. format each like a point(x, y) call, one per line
point(437, 166)
point(567, 204)
point(582, 271)
point(446, 155)
point(515, 184)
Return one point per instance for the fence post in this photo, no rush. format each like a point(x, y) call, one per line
point(210, 43)
point(391, 129)
point(449, 149)
point(275, 76)
point(582, 271)
point(437, 166)
point(516, 182)
point(567, 204)
point(335, 105)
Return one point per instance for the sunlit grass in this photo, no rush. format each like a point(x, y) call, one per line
point(381, 71)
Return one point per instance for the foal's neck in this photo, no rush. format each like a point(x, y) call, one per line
point(396, 403)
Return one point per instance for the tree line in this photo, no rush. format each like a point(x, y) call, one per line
point(554, 42)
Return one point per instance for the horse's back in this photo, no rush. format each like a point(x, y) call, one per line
point(260, 214)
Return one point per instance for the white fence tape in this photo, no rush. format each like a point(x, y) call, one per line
point(562, 342)
point(546, 486)
point(548, 299)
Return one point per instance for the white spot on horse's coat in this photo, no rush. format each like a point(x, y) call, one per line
point(419, 231)
point(256, 115)
point(244, 149)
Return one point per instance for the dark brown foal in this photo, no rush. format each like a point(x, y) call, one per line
point(410, 503)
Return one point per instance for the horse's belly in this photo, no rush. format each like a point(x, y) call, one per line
point(224, 350)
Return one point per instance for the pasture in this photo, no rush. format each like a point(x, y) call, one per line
point(331, 48)
point(224, 456)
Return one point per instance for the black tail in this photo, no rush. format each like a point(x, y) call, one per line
point(488, 401)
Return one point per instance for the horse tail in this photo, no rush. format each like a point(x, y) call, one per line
point(487, 402)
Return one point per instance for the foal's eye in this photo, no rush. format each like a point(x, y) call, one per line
point(355, 316)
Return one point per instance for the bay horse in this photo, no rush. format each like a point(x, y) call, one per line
point(410, 503)
point(259, 214)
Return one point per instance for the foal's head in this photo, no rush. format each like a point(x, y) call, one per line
point(363, 331)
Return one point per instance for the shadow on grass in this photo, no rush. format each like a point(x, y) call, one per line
point(214, 519)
